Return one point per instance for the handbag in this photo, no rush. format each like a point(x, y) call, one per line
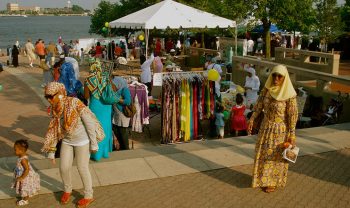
point(109, 97)
point(130, 110)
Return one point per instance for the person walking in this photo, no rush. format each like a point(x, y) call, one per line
point(77, 127)
point(40, 51)
point(15, 53)
point(30, 51)
point(278, 104)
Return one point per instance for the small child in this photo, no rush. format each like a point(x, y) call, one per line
point(27, 181)
point(219, 121)
point(238, 120)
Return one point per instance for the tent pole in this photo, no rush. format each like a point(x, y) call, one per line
point(236, 40)
point(146, 32)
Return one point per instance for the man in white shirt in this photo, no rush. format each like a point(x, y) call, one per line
point(250, 46)
point(146, 75)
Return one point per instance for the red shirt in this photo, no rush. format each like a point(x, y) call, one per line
point(98, 50)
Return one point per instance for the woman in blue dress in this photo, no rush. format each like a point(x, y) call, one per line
point(94, 85)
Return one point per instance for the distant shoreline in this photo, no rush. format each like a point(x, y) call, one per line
point(44, 15)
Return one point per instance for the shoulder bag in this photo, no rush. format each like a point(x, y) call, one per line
point(130, 110)
point(108, 96)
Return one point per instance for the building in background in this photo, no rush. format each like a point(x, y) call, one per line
point(12, 7)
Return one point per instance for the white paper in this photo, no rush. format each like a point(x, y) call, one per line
point(157, 79)
point(295, 152)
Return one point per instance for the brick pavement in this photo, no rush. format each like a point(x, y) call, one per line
point(320, 180)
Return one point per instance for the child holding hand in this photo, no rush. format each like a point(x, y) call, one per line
point(27, 181)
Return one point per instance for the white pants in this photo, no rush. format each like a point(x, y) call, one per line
point(82, 154)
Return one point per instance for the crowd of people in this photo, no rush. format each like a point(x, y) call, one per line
point(83, 125)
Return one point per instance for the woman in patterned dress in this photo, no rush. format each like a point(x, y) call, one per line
point(278, 103)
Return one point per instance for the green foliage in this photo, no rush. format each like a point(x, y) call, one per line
point(328, 21)
point(289, 15)
point(77, 9)
point(345, 15)
point(107, 12)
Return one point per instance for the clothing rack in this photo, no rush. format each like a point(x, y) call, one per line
point(175, 79)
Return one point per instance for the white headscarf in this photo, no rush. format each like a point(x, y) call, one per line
point(284, 91)
point(253, 77)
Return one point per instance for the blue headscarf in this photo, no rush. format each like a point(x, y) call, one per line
point(68, 79)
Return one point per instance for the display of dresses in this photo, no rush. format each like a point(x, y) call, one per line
point(187, 98)
point(139, 96)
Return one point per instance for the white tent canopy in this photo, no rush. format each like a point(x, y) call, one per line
point(171, 14)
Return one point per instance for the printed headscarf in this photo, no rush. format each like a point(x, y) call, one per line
point(284, 91)
point(95, 81)
point(70, 110)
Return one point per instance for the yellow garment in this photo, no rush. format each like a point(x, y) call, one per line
point(284, 91)
point(183, 109)
point(277, 127)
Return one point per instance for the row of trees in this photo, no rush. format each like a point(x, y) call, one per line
point(321, 16)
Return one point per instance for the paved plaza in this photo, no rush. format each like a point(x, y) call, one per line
point(211, 173)
point(320, 180)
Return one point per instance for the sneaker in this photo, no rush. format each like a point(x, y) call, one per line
point(31, 65)
point(43, 85)
point(65, 198)
point(82, 203)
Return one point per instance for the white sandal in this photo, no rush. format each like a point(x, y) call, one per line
point(22, 202)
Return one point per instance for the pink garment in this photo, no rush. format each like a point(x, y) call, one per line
point(159, 64)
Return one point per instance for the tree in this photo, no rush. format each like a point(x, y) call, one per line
point(107, 12)
point(77, 9)
point(328, 21)
point(287, 14)
point(296, 16)
point(345, 15)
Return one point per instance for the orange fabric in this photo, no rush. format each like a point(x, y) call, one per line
point(118, 51)
point(40, 48)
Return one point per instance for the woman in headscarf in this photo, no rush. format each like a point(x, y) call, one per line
point(251, 86)
point(278, 104)
point(95, 83)
point(15, 53)
point(120, 121)
point(67, 77)
point(77, 127)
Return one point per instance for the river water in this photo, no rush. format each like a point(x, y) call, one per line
point(48, 28)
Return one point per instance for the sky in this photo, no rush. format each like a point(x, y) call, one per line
point(86, 4)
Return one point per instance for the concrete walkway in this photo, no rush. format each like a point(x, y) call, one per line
point(173, 160)
point(151, 163)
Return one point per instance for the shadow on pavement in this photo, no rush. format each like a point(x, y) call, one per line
point(332, 167)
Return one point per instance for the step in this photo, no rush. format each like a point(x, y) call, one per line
point(171, 160)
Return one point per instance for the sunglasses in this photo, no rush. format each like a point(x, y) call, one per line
point(50, 96)
point(275, 75)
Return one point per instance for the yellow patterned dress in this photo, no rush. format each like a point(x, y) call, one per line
point(278, 125)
